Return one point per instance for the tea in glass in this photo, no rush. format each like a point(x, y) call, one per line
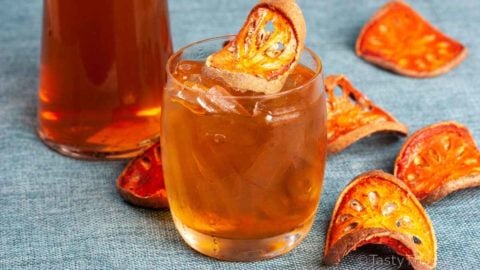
point(243, 171)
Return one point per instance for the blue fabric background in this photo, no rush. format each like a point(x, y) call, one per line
point(60, 213)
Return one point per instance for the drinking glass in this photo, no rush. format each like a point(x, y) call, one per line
point(101, 76)
point(244, 172)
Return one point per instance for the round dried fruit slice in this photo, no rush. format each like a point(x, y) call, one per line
point(352, 116)
point(377, 208)
point(265, 50)
point(438, 160)
point(399, 39)
point(141, 182)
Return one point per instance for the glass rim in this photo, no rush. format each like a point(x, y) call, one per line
point(317, 72)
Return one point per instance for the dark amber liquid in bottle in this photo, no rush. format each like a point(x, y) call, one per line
point(102, 75)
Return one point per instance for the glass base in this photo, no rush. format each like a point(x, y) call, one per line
point(80, 153)
point(243, 250)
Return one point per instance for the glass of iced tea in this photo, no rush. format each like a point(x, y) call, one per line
point(243, 171)
point(102, 75)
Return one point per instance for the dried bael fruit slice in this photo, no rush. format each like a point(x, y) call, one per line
point(399, 39)
point(352, 116)
point(141, 182)
point(265, 50)
point(437, 160)
point(377, 208)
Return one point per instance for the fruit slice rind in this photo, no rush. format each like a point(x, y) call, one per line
point(340, 139)
point(145, 167)
point(412, 149)
point(157, 201)
point(469, 181)
point(351, 242)
point(264, 79)
point(402, 243)
point(377, 58)
point(366, 131)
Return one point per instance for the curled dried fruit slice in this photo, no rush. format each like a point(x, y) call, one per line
point(352, 116)
point(399, 39)
point(265, 50)
point(437, 160)
point(141, 182)
point(377, 208)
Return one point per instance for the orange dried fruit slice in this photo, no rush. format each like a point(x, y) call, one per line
point(399, 39)
point(438, 160)
point(141, 182)
point(378, 208)
point(265, 50)
point(352, 116)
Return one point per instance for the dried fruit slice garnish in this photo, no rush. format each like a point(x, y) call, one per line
point(399, 39)
point(352, 116)
point(265, 50)
point(437, 160)
point(141, 182)
point(377, 208)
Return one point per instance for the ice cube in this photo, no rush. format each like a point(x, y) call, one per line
point(224, 101)
point(184, 67)
point(187, 99)
point(274, 157)
point(202, 100)
point(217, 99)
point(218, 176)
point(282, 115)
point(276, 115)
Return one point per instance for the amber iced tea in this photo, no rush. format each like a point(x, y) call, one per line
point(243, 172)
point(102, 75)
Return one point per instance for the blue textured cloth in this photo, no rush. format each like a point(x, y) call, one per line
point(60, 213)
